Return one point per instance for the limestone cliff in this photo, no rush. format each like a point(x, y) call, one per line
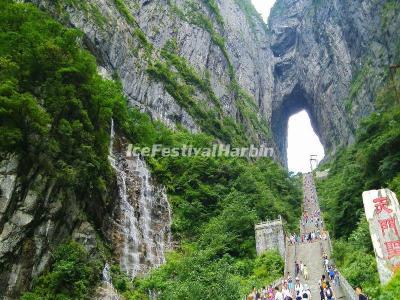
point(327, 57)
point(225, 72)
point(330, 58)
point(221, 48)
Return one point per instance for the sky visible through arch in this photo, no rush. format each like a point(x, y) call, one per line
point(263, 7)
point(302, 140)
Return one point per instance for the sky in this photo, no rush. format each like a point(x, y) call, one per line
point(263, 7)
point(302, 142)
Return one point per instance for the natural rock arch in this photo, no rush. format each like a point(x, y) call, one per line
point(291, 104)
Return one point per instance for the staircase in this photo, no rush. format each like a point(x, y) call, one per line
point(311, 253)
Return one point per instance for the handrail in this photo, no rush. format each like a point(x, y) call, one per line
point(286, 257)
point(348, 290)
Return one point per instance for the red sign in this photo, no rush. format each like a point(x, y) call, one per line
point(388, 223)
point(393, 248)
point(381, 204)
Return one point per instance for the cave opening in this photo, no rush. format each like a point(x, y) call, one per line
point(295, 130)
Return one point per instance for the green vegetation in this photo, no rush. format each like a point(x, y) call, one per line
point(392, 289)
point(356, 259)
point(124, 11)
point(390, 10)
point(213, 7)
point(55, 112)
point(71, 276)
point(371, 163)
point(55, 109)
point(216, 202)
point(252, 15)
point(198, 276)
point(356, 84)
point(201, 279)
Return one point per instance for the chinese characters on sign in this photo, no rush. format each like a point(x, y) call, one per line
point(383, 215)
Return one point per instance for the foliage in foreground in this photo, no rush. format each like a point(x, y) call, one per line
point(392, 289)
point(193, 274)
point(72, 275)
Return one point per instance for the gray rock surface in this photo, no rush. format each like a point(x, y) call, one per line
point(308, 59)
point(330, 59)
point(35, 217)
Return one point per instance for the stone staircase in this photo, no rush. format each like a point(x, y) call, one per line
point(311, 253)
point(308, 253)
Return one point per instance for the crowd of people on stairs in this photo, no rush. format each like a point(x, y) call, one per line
point(312, 229)
point(288, 290)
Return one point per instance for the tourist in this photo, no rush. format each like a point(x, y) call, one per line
point(305, 272)
point(297, 268)
point(270, 293)
point(322, 286)
point(328, 292)
point(287, 294)
point(258, 295)
point(251, 296)
point(253, 293)
point(332, 274)
point(360, 293)
point(278, 294)
point(301, 267)
point(306, 292)
point(298, 288)
point(264, 293)
point(337, 281)
point(290, 282)
point(326, 264)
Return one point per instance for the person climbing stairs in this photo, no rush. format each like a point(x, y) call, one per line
point(313, 245)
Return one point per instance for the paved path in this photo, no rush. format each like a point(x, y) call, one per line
point(310, 253)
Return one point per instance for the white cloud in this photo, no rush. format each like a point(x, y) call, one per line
point(302, 142)
point(263, 7)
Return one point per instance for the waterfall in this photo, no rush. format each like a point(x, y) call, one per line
point(142, 218)
point(106, 276)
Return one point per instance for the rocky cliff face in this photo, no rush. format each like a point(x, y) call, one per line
point(312, 53)
point(324, 56)
point(35, 216)
point(222, 47)
point(140, 228)
point(330, 58)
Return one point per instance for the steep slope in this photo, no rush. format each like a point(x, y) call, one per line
point(332, 56)
point(328, 57)
point(207, 66)
point(61, 180)
point(203, 54)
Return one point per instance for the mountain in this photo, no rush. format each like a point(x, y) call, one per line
point(196, 71)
